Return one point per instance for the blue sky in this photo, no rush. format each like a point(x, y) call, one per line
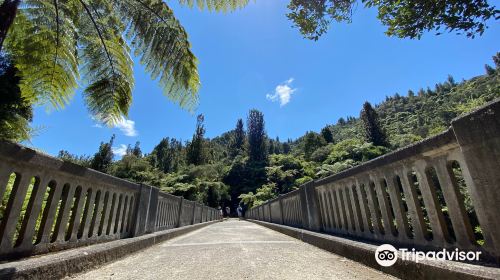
point(253, 58)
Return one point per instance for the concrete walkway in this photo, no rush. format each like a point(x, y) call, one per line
point(234, 250)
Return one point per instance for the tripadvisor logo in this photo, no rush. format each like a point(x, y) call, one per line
point(387, 255)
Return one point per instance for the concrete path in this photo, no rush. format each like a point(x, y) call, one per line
point(234, 250)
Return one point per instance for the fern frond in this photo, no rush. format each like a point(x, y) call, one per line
point(163, 47)
point(107, 64)
point(46, 59)
point(52, 40)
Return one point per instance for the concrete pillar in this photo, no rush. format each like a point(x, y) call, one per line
point(311, 215)
point(145, 213)
point(282, 219)
point(193, 220)
point(478, 135)
point(179, 213)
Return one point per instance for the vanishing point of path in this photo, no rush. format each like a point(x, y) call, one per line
point(233, 249)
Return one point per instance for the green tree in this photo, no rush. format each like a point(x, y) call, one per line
point(212, 193)
point(195, 150)
point(327, 134)
point(270, 147)
point(403, 18)
point(80, 160)
point(256, 136)
point(373, 130)
point(104, 157)
point(136, 151)
point(277, 146)
point(496, 59)
point(489, 70)
point(132, 168)
point(54, 42)
point(312, 141)
point(247, 199)
point(287, 147)
point(238, 139)
point(167, 155)
point(15, 111)
point(244, 176)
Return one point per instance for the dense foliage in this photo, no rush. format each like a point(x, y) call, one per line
point(54, 43)
point(403, 18)
point(15, 111)
point(246, 165)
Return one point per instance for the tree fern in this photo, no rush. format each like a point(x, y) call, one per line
point(42, 44)
point(163, 47)
point(53, 42)
point(107, 63)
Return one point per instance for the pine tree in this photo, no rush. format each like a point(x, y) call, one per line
point(496, 59)
point(104, 157)
point(196, 150)
point(489, 70)
point(277, 146)
point(256, 136)
point(287, 147)
point(270, 147)
point(237, 145)
point(327, 134)
point(341, 121)
point(451, 81)
point(129, 150)
point(373, 131)
point(136, 151)
point(167, 155)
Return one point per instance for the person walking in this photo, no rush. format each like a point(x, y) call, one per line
point(228, 211)
point(240, 211)
point(221, 214)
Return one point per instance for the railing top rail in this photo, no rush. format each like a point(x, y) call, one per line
point(15, 153)
point(169, 196)
point(442, 141)
point(289, 194)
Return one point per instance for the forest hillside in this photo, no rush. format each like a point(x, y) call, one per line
point(245, 165)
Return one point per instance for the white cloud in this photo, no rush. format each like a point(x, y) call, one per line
point(282, 93)
point(124, 125)
point(127, 127)
point(120, 151)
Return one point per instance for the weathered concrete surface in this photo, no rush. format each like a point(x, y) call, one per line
point(234, 250)
point(364, 253)
point(61, 264)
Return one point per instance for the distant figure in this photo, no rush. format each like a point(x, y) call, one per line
point(240, 212)
point(221, 214)
point(228, 211)
point(243, 210)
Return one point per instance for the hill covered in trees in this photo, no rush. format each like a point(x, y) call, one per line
point(244, 164)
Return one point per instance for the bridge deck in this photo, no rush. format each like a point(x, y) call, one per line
point(233, 250)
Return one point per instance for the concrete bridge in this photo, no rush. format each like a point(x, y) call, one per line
point(59, 219)
point(234, 249)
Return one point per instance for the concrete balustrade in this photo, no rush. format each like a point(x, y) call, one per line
point(413, 197)
point(49, 205)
